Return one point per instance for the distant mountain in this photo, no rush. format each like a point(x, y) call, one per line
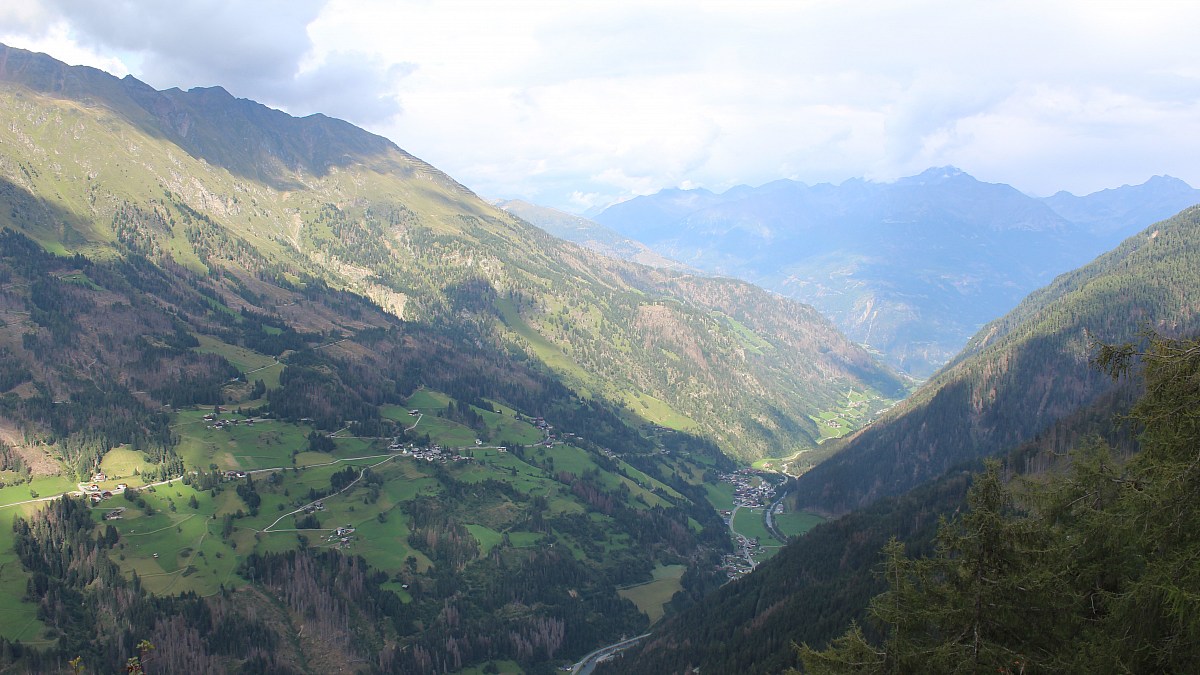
point(1022, 372)
point(1109, 212)
point(910, 268)
point(586, 233)
point(1023, 389)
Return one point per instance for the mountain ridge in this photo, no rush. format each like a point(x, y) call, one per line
point(911, 268)
point(390, 227)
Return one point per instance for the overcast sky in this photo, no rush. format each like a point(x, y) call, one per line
point(575, 104)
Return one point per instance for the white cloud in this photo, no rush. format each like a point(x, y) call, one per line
point(574, 104)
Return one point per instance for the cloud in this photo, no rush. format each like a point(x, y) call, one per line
point(260, 50)
point(572, 104)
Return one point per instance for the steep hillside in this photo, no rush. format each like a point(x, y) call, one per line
point(1022, 372)
point(911, 268)
point(214, 184)
point(309, 402)
point(811, 591)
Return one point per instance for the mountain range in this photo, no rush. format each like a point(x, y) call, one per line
point(910, 268)
point(1025, 389)
point(277, 396)
point(211, 182)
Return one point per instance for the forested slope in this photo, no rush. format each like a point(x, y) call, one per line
point(1022, 372)
point(297, 382)
point(230, 190)
point(810, 591)
point(1091, 570)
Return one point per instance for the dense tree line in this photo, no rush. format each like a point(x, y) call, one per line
point(99, 616)
point(1092, 570)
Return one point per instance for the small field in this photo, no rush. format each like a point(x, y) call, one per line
point(651, 596)
point(122, 462)
point(244, 359)
point(856, 410)
point(792, 524)
point(658, 411)
point(18, 619)
point(749, 523)
point(720, 495)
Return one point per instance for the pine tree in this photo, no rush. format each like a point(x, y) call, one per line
point(1101, 575)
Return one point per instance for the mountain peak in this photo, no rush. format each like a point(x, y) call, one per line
point(935, 175)
point(1167, 183)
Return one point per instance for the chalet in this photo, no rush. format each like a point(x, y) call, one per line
point(93, 488)
point(106, 494)
point(414, 413)
point(99, 477)
point(121, 487)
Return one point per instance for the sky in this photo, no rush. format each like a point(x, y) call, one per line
point(579, 104)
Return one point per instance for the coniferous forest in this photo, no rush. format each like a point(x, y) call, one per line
point(1092, 569)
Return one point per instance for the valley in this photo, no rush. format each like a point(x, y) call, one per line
point(278, 396)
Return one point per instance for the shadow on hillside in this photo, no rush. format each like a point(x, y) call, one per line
point(49, 224)
point(247, 138)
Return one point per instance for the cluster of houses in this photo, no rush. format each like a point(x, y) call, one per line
point(341, 537)
point(314, 507)
point(215, 422)
point(97, 494)
point(737, 565)
point(434, 453)
point(749, 491)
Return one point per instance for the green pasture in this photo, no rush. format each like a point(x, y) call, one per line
point(123, 462)
point(652, 596)
point(42, 486)
point(18, 619)
point(385, 545)
point(488, 538)
point(397, 588)
point(566, 458)
point(427, 401)
point(647, 480)
point(243, 359)
point(524, 539)
point(446, 433)
point(264, 444)
point(547, 352)
point(720, 495)
point(577, 461)
point(80, 279)
point(800, 522)
point(657, 411)
point(749, 523)
point(191, 554)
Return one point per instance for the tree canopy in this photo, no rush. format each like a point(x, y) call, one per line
point(1093, 570)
